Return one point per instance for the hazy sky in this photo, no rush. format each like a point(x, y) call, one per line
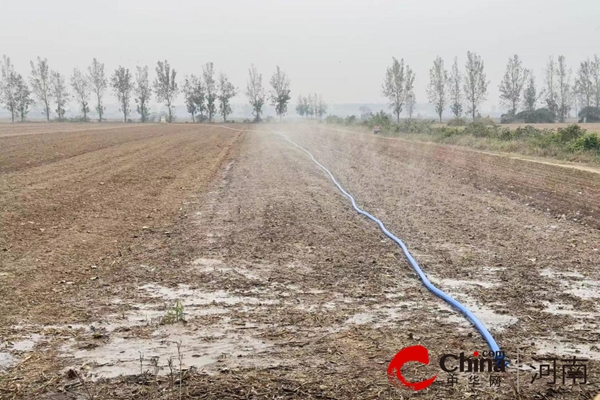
point(339, 48)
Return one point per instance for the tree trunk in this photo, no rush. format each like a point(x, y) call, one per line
point(397, 117)
point(99, 108)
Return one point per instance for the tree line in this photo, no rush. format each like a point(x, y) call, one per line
point(311, 106)
point(206, 95)
point(463, 91)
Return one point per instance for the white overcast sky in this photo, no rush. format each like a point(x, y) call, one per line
point(339, 48)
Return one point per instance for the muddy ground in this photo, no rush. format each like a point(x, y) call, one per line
point(191, 261)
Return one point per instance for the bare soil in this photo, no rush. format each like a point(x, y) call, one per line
point(192, 261)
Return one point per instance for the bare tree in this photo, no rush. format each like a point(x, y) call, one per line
point(200, 98)
point(576, 100)
point(321, 106)
point(475, 84)
point(551, 87)
point(312, 105)
point(99, 85)
point(563, 76)
point(437, 91)
point(40, 84)
point(584, 83)
point(255, 92)
point(23, 96)
point(189, 92)
point(143, 92)
point(393, 86)
point(59, 93)
point(596, 80)
point(530, 94)
point(456, 99)
point(306, 105)
point(208, 76)
point(226, 92)
point(81, 86)
point(165, 86)
point(8, 90)
point(122, 84)
point(411, 98)
point(300, 106)
point(512, 84)
point(280, 92)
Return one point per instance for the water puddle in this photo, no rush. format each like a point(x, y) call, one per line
point(550, 273)
point(208, 265)
point(563, 348)
point(361, 319)
point(26, 344)
point(574, 283)
point(586, 289)
point(490, 318)
point(196, 297)
point(6, 361)
point(168, 344)
point(568, 309)
point(381, 316)
point(11, 350)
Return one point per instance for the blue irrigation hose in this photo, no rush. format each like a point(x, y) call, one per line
point(499, 355)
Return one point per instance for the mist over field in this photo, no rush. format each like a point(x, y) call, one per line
point(300, 199)
point(339, 49)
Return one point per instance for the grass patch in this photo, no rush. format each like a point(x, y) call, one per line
point(570, 143)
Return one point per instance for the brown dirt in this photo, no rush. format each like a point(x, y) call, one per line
point(286, 291)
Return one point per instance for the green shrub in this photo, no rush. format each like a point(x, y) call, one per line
point(589, 114)
point(588, 141)
point(381, 118)
point(457, 122)
point(529, 131)
point(486, 121)
point(449, 132)
point(350, 120)
point(569, 133)
point(479, 129)
point(415, 126)
point(539, 116)
point(334, 119)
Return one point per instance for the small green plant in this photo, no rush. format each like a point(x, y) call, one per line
point(174, 314)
